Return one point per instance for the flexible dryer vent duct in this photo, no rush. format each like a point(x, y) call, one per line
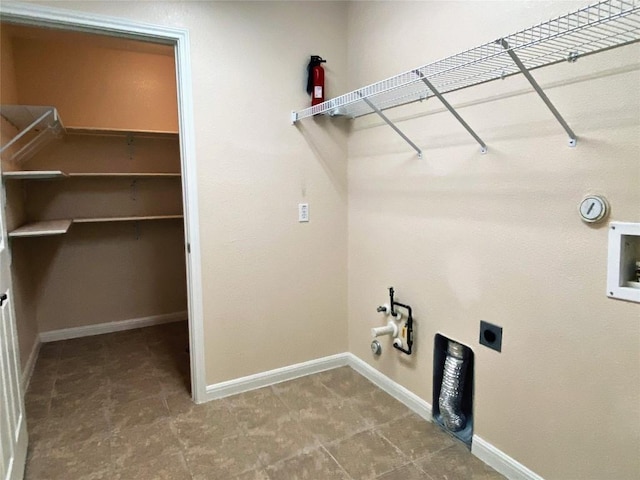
point(451, 390)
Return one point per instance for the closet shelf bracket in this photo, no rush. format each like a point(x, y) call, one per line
point(572, 136)
point(391, 124)
point(483, 146)
point(35, 125)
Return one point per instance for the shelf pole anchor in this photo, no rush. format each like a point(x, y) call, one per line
point(483, 146)
point(391, 124)
point(572, 136)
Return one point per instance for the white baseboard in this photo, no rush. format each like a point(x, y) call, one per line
point(271, 377)
point(27, 371)
point(397, 391)
point(482, 449)
point(500, 461)
point(110, 327)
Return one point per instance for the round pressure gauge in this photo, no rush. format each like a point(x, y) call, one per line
point(593, 208)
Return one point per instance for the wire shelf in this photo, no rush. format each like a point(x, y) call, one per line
point(36, 126)
point(597, 27)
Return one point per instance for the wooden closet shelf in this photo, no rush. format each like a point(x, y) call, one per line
point(33, 174)
point(59, 227)
point(119, 174)
point(121, 132)
point(126, 219)
point(49, 174)
point(42, 229)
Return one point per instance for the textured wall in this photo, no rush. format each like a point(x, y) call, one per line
point(8, 89)
point(462, 237)
point(497, 237)
point(274, 290)
point(97, 84)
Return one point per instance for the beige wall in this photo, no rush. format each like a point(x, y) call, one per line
point(93, 85)
point(465, 237)
point(462, 237)
point(79, 197)
point(274, 289)
point(99, 273)
point(8, 90)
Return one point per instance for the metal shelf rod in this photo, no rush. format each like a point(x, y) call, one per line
point(483, 147)
point(26, 130)
point(391, 124)
point(572, 136)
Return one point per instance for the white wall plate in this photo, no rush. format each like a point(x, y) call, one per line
point(624, 252)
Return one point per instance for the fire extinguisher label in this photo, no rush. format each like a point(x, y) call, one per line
point(317, 91)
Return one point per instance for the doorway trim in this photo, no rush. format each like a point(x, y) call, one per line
point(27, 14)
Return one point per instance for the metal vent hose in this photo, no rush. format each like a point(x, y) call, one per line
point(452, 384)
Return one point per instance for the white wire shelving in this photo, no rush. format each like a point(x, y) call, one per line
point(36, 126)
point(592, 29)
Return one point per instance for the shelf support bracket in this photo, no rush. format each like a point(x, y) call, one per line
point(572, 136)
point(483, 146)
point(390, 123)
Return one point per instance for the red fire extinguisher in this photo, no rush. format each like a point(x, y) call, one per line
point(315, 83)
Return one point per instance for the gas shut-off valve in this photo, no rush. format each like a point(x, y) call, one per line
point(401, 335)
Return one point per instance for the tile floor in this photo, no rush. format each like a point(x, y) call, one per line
point(116, 406)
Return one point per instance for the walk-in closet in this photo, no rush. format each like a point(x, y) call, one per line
point(92, 174)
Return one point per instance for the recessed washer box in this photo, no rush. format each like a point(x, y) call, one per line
point(622, 267)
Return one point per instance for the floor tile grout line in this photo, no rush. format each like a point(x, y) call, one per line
point(413, 462)
point(432, 454)
point(337, 462)
point(365, 429)
point(297, 411)
point(397, 467)
point(275, 391)
point(380, 434)
point(318, 442)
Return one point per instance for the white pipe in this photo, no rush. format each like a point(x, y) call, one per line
point(390, 329)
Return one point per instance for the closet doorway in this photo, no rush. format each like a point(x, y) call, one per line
point(121, 179)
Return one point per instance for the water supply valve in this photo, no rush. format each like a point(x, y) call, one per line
point(384, 309)
point(392, 327)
